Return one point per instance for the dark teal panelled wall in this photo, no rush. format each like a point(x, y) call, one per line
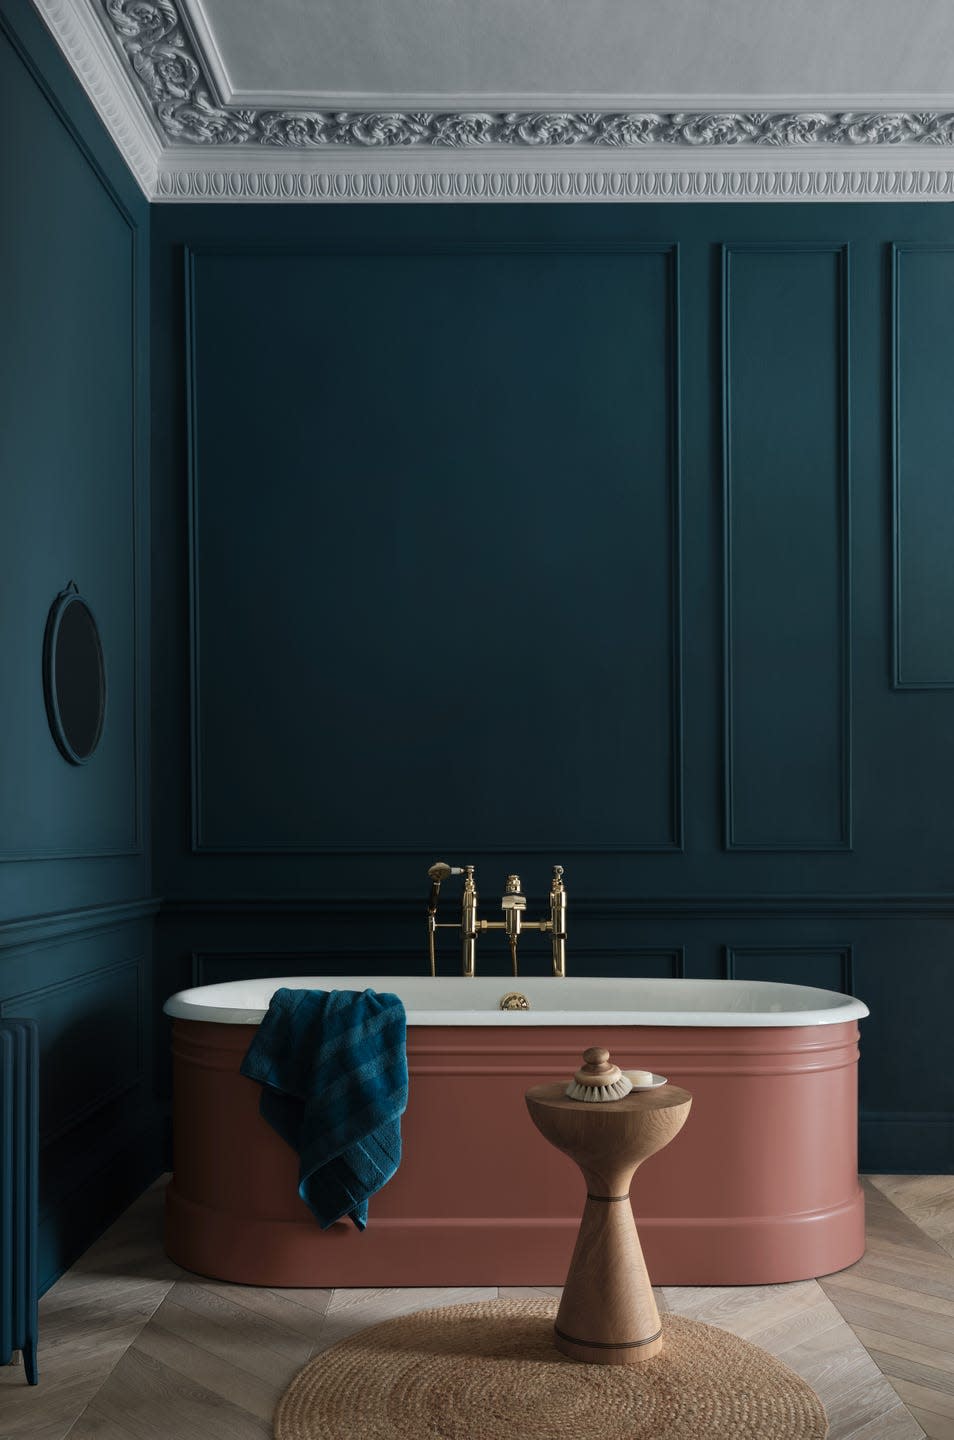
point(611, 535)
point(75, 915)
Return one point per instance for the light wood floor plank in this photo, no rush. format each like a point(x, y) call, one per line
point(899, 1299)
point(239, 1345)
point(926, 1199)
point(899, 1367)
point(748, 1310)
point(146, 1400)
point(895, 1424)
point(317, 1300)
point(274, 1306)
point(21, 1415)
point(925, 1398)
point(903, 1321)
point(940, 1359)
point(861, 1284)
point(246, 1323)
point(937, 1427)
point(926, 1282)
point(529, 1292)
point(846, 1379)
point(234, 1383)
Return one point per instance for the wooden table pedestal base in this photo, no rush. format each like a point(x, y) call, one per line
point(608, 1313)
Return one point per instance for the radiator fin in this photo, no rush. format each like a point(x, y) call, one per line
point(19, 1173)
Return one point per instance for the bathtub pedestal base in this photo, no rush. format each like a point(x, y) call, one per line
point(500, 1250)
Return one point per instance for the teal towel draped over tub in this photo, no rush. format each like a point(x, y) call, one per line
point(333, 1067)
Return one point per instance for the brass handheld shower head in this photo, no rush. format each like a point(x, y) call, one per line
point(440, 872)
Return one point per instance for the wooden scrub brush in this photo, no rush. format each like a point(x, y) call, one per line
point(599, 1078)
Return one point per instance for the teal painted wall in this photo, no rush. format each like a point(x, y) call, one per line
point(75, 915)
point(615, 535)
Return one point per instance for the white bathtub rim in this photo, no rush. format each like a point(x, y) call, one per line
point(748, 1004)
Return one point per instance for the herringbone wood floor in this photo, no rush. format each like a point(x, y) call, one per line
point(133, 1348)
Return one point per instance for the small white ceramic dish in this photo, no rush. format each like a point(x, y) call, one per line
point(654, 1084)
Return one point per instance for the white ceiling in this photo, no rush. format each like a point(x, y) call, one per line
point(590, 54)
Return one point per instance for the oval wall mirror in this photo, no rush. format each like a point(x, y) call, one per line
point(74, 676)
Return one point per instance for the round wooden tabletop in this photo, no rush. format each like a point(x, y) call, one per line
point(663, 1097)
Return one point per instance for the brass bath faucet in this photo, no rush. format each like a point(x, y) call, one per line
point(513, 904)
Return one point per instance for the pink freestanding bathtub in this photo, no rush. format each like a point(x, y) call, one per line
point(760, 1186)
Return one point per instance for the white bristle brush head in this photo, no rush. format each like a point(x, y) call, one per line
point(616, 1091)
point(599, 1080)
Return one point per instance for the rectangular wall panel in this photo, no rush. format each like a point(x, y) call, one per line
point(787, 594)
point(826, 966)
point(91, 1041)
point(435, 552)
point(923, 469)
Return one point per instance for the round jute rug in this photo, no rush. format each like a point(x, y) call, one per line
point(489, 1371)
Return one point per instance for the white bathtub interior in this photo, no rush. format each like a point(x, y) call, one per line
point(453, 1000)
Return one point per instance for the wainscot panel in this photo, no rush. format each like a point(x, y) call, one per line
point(91, 992)
point(826, 966)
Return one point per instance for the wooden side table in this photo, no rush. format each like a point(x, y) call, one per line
point(608, 1313)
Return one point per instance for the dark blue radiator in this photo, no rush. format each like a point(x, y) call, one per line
point(19, 1168)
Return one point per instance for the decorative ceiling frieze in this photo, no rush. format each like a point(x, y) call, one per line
point(182, 144)
point(175, 82)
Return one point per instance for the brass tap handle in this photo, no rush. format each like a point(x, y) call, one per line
point(431, 943)
point(558, 922)
point(468, 925)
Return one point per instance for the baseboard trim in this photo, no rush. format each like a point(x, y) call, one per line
point(918, 1143)
point(74, 1219)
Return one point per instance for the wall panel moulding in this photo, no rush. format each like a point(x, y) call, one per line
point(598, 907)
point(203, 110)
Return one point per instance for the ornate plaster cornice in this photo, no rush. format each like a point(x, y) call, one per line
point(106, 80)
point(138, 61)
point(231, 176)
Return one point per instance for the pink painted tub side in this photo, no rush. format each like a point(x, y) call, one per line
point(761, 1186)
